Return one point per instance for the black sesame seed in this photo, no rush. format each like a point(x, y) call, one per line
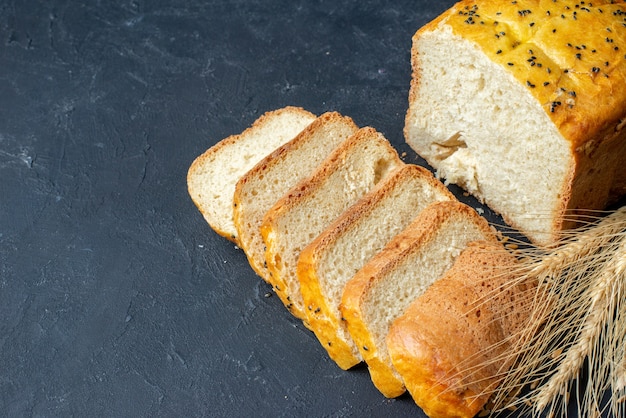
point(578, 56)
point(545, 83)
point(499, 51)
point(529, 84)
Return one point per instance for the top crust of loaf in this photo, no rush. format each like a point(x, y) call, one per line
point(570, 55)
point(475, 303)
point(212, 176)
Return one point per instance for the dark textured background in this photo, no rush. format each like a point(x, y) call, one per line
point(116, 299)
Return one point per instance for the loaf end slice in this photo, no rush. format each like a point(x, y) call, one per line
point(262, 186)
point(413, 260)
point(451, 346)
point(331, 260)
point(351, 171)
point(212, 176)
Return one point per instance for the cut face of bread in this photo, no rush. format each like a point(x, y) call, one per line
point(261, 187)
point(326, 265)
point(520, 106)
point(350, 172)
point(451, 346)
point(212, 177)
point(382, 290)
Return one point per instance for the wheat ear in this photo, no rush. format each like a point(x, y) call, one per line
point(602, 294)
point(561, 274)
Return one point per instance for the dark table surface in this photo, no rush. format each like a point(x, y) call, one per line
point(116, 298)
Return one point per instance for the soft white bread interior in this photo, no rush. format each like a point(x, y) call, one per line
point(351, 171)
point(414, 259)
point(261, 187)
point(523, 104)
point(452, 345)
point(212, 177)
point(325, 266)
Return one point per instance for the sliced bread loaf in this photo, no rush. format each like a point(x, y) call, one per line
point(351, 171)
point(211, 178)
point(326, 265)
point(261, 187)
point(382, 290)
point(451, 346)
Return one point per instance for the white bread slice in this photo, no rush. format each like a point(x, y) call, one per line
point(382, 290)
point(524, 105)
point(261, 187)
point(326, 265)
point(451, 345)
point(212, 176)
point(351, 171)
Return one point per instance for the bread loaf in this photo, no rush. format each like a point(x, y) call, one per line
point(212, 177)
point(523, 104)
point(382, 290)
point(326, 265)
point(450, 346)
point(351, 171)
point(261, 187)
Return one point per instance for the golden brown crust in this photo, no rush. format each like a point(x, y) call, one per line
point(569, 55)
point(420, 231)
point(450, 345)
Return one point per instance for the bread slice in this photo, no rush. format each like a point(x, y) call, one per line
point(452, 345)
point(261, 187)
point(212, 176)
point(403, 270)
point(326, 265)
point(524, 105)
point(299, 217)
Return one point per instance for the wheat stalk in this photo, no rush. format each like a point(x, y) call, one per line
point(577, 313)
point(602, 295)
